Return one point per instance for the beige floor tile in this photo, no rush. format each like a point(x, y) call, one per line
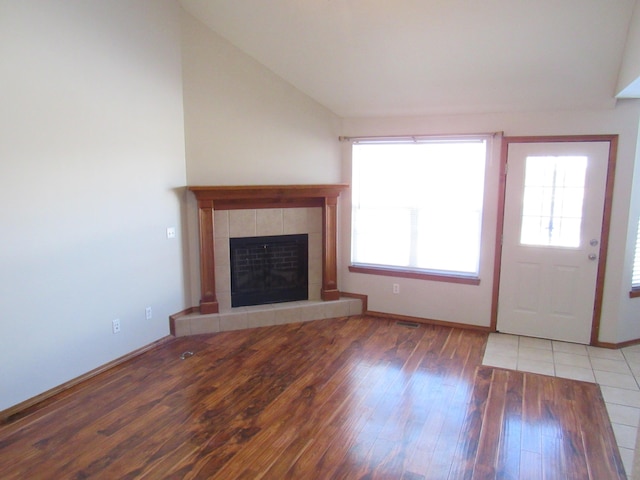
point(631, 356)
point(627, 459)
point(621, 396)
point(625, 435)
point(575, 373)
point(624, 415)
point(535, 354)
point(597, 352)
point(496, 349)
point(607, 365)
point(632, 348)
point(534, 366)
point(562, 358)
point(530, 342)
point(501, 361)
point(635, 368)
point(503, 339)
point(572, 348)
point(612, 379)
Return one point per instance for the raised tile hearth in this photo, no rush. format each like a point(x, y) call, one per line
point(264, 315)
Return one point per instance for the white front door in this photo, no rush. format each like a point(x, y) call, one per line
point(554, 202)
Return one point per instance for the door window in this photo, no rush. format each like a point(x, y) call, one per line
point(552, 203)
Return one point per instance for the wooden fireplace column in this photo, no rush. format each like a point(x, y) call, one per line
point(266, 196)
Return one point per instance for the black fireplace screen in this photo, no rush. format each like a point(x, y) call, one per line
point(269, 269)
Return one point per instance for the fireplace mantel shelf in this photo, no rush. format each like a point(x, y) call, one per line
point(212, 198)
point(266, 196)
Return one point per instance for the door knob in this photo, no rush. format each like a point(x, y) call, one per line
point(593, 242)
point(592, 256)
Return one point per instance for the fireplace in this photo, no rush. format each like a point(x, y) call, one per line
point(215, 198)
point(269, 269)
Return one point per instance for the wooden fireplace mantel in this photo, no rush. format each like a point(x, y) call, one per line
point(266, 196)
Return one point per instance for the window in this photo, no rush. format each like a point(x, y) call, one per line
point(417, 205)
point(552, 204)
point(635, 277)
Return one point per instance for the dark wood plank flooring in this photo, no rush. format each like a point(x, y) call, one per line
point(357, 398)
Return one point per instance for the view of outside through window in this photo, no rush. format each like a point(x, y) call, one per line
point(553, 197)
point(635, 280)
point(418, 205)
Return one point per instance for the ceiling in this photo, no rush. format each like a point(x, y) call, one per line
point(420, 57)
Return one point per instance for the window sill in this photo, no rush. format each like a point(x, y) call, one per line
point(399, 272)
point(635, 292)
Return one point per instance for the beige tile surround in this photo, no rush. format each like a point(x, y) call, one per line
point(262, 222)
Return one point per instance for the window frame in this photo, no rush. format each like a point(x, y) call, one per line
point(635, 287)
point(426, 274)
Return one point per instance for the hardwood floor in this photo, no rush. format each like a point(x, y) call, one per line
point(331, 399)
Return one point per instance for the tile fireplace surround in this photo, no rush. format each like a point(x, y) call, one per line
point(230, 212)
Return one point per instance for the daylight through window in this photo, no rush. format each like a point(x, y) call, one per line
point(553, 198)
point(635, 279)
point(417, 205)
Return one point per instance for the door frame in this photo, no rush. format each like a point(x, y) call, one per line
point(606, 219)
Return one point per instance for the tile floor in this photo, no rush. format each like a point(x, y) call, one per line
point(616, 371)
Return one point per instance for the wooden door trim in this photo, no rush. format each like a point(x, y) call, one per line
point(606, 219)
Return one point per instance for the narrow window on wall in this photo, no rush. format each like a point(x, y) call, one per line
point(417, 205)
point(635, 278)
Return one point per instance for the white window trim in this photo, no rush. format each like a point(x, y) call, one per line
point(635, 272)
point(492, 140)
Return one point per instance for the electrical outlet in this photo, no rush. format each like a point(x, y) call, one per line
point(396, 288)
point(171, 232)
point(115, 325)
point(148, 313)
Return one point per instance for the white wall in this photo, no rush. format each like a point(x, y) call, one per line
point(629, 74)
point(92, 172)
point(629, 327)
point(244, 125)
point(471, 304)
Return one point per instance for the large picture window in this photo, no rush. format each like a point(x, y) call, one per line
point(417, 204)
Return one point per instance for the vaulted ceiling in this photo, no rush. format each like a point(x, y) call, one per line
point(420, 57)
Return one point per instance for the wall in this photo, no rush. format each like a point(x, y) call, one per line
point(629, 328)
point(92, 174)
point(246, 126)
point(469, 304)
point(629, 75)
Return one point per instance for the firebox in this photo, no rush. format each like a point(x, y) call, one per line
point(269, 269)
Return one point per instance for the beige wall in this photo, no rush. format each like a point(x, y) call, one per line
point(472, 304)
point(629, 75)
point(91, 174)
point(246, 126)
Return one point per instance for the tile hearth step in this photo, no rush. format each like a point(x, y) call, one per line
point(265, 315)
